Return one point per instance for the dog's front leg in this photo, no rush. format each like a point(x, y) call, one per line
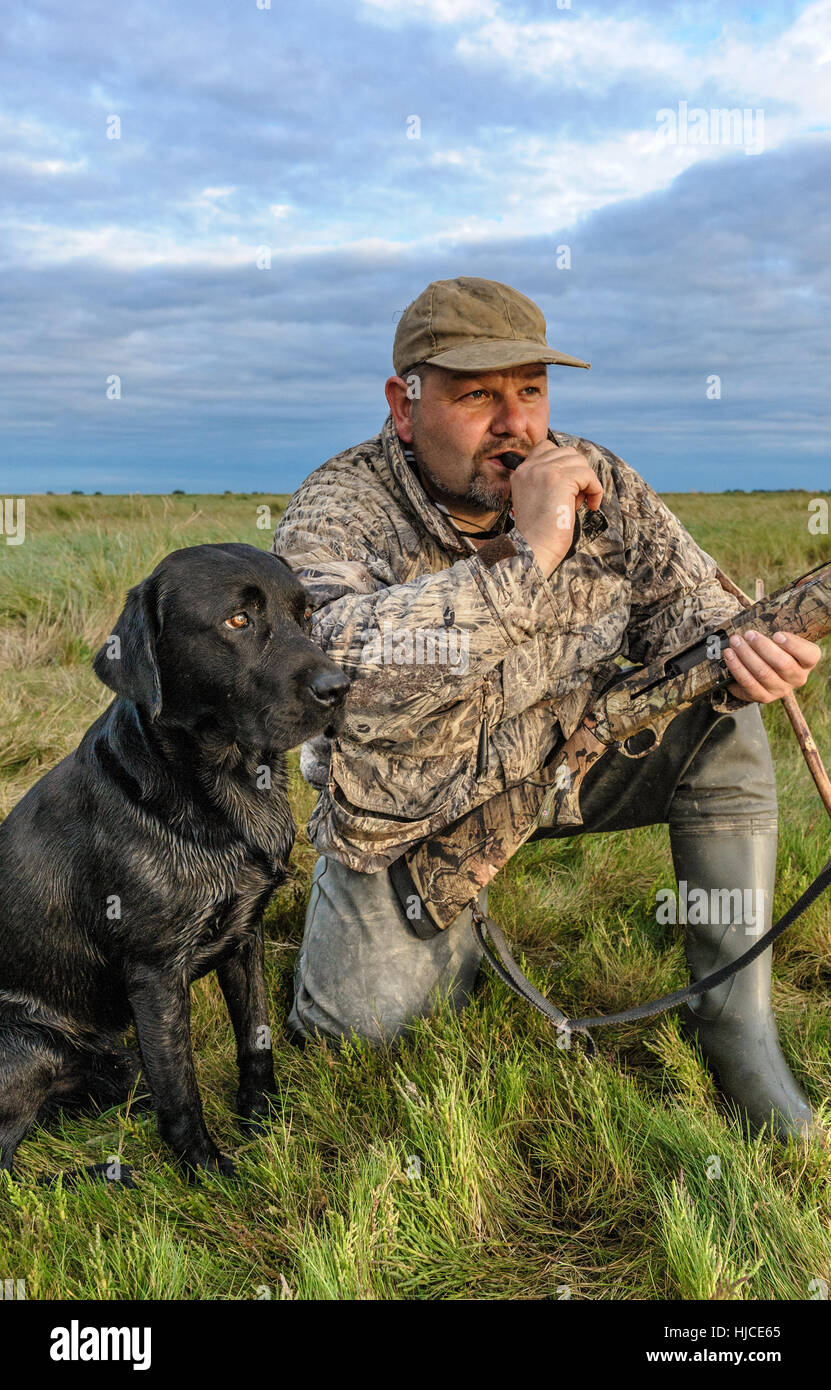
point(161, 1007)
point(242, 980)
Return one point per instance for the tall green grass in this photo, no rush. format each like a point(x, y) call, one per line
point(475, 1160)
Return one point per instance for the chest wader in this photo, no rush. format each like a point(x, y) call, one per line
point(712, 781)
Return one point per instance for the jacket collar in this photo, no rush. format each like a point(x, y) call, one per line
point(407, 484)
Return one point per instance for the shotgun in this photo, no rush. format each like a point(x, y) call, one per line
point(448, 869)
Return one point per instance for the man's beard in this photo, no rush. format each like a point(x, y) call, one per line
point(480, 493)
point(487, 495)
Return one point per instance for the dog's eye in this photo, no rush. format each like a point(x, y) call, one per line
point(239, 620)
point(307, 613)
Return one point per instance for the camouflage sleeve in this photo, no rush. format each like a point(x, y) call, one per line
point(411, 649)
point(676, 597)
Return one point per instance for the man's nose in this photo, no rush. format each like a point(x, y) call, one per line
point(510, 417)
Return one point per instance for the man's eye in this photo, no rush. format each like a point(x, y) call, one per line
point(239, 620)
point(479, 391)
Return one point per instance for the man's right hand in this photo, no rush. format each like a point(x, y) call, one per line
point(546, 490)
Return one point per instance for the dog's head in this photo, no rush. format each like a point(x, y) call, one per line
point(215, 639)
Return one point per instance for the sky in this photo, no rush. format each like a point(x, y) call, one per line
point(211, 217)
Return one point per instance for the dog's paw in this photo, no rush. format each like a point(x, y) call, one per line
point(255, 1108)
point(219, 1164)
point(114, 1174)
point(210, 1165)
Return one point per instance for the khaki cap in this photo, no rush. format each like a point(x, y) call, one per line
point(470, 324)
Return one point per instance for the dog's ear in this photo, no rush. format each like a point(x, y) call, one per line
point(283, 561)
point(127, 661)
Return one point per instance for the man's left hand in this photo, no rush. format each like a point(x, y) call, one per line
point(767, 668)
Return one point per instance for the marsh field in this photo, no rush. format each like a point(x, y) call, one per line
point(476, 1160)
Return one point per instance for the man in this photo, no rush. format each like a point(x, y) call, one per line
point(543, 576)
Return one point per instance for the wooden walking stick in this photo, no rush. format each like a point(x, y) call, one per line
point(804, 737)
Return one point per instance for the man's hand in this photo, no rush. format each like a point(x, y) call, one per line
point(767, 668)
point(546, 490)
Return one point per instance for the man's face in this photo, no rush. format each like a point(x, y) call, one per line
point(462, 421)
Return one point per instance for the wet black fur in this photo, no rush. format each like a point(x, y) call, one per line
point(145, 859)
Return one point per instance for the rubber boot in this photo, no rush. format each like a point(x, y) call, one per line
point(734, 1024)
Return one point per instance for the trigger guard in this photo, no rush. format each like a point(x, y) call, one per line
point(657, 730)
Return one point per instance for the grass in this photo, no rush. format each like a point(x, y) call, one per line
point(475, 1160)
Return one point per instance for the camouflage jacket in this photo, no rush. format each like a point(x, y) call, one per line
point(467, 664)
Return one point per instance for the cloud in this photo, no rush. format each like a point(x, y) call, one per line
point(244, 129)
point(573, 51)
point(430, 11)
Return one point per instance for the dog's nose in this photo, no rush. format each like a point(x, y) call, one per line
point(329, 687)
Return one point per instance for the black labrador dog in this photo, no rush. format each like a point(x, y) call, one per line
point(146, 858)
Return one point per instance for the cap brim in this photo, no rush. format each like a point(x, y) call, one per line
point(501, 352)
